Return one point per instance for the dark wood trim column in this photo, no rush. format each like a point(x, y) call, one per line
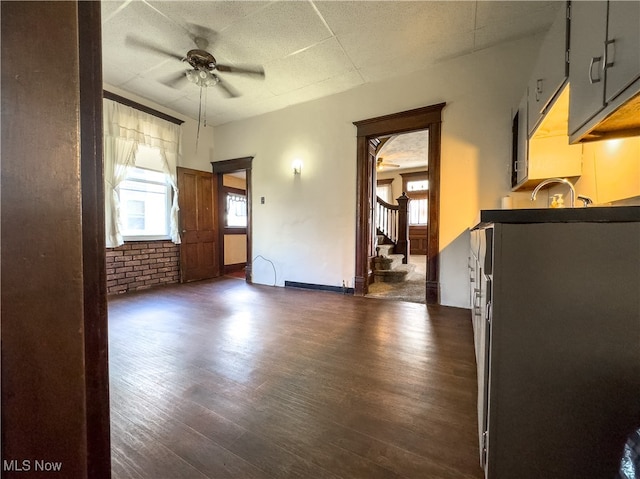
point(433, 224)
point(93, 242)
point(363, 192)
point(55, 406)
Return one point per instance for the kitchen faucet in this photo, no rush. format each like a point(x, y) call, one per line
point(572, 190)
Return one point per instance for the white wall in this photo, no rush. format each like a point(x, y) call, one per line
point(307, 225)
point(610, 170)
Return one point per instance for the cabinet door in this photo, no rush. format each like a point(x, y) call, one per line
point(521, 154)
point(623, 43)
point(550, 71)
point(588, 32)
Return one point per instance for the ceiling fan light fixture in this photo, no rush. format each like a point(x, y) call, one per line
point(201, 78)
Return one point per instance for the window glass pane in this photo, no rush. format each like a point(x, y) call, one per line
point(236, 210)
point(418, 212)
point(384, 192)
point(418, 185)
point(145, 204)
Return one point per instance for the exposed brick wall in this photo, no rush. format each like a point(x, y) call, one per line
point(134, 266)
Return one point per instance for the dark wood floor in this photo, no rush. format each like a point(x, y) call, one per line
point(220, 379)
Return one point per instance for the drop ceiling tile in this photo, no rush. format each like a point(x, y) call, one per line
point(403, 18)
point(374, 41)
point(140, 19)
point(115, 74)
point(514, 13)
point(153, 91)
point(213, 15)
point(280, 29)
point(494, 31)
point(330, 86)
point(419, 60)
point(318, 63)
point(110, 8)
point(411, 33)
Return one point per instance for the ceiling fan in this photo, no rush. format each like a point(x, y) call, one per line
point(203, 65)
point(380, 164)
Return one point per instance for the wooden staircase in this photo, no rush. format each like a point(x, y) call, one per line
point(390, 265)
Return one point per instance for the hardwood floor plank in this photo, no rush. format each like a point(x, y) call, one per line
point(222, 379)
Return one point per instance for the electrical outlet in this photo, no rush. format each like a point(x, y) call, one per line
point(262, 200)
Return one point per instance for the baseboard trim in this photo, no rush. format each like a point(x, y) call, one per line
point(433, 292)
point(232, 268)
point(319, 287)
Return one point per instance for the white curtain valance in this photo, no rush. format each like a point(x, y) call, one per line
point(125, 122)
point(126, 128)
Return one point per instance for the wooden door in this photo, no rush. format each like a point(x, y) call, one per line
point(418, 239)
point(199, 249)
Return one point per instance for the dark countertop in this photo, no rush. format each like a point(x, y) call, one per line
point(592, 214)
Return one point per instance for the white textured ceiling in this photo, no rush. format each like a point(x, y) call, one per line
point(309, 49)
point(408, 150)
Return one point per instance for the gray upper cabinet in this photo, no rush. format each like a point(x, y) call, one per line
point(588, 30)
point(604, 69)
point(550, 72)
point(623, 47)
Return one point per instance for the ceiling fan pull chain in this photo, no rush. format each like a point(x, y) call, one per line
point(206, 91)
point(199, 119)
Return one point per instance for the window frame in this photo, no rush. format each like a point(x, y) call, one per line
point(233, 230)
point(168, 203)
point(417, 194)
point(387, 184)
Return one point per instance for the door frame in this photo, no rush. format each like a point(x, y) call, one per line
point(425, 118)
point(220, 168)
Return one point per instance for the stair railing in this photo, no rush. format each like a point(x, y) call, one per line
point(392, 221)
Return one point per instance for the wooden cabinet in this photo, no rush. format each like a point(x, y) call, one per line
point(559, 362)
point(604, 69)
point(550, 72)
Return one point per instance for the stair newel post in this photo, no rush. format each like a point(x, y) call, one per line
point(402, 246)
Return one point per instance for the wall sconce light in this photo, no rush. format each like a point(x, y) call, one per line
point(297, 166)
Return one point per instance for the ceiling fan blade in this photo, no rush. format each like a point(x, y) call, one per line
point(144, 45)
point(227, 89)
point(202, 36)
point(176, 80)
point(393, 165)
point(244, 69)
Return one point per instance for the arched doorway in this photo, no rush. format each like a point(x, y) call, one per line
point(426, 118)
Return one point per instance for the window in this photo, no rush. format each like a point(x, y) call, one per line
point(418, 211)
point(383, 190)
point(145, 203)
point(416, 186)
point(236, 210)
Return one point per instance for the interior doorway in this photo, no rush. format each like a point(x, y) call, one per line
point(234, 215)
point(368, 133)
point(402, 162)
point(234, 223)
